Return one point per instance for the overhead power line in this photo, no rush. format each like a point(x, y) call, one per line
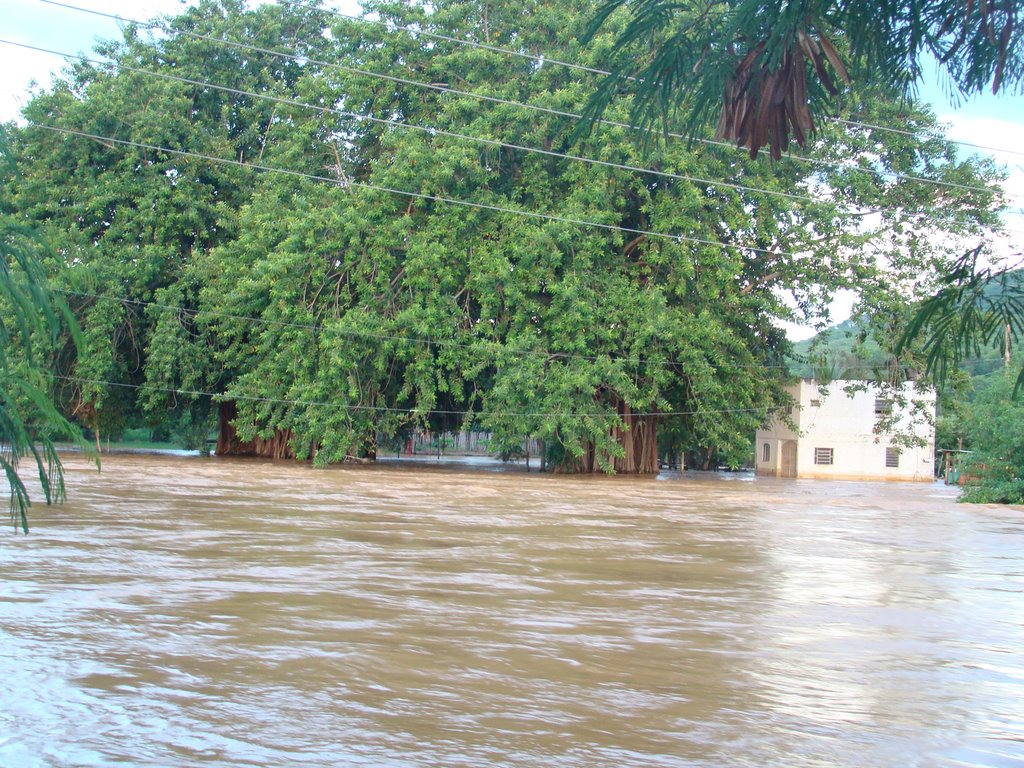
point(390, 409)
point(343, 183)
point(543, 59)
point(928, 135)
point(430, 130)
point(492, 99)
point(410, 126)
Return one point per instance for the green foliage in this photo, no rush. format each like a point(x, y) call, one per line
point(31, 321)
point(132, 220)
point(332, 317)
point(977, 307)
point(1010, 491)
point(994, 430)
point(371, 313)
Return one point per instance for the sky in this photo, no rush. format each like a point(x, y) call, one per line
point(991, 121)
point(986, 119)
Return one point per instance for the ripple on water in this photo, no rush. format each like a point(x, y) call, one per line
point(184, 612)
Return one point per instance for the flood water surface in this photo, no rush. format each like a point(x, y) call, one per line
point(180, 612)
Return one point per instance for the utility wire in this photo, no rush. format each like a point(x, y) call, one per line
point(388, 409)
point(928, 135)
point(410, 126)
point(428, 130)
point(497, 348)
point(543, 59)
point(493, 99)
point(344, 183)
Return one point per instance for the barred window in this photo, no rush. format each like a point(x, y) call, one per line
point(815, 403)
point(883, 407)
point(766, 453)
point(892, 456)
point(823, 456)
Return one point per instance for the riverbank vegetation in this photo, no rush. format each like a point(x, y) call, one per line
point(320, 233)
point(990, 427)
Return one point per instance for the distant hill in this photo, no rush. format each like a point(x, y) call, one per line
point(847, 350)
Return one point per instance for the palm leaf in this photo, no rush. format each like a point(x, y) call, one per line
point(973, 309)
point(32, 320)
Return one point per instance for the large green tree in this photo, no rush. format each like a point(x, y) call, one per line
point(131, 217)
point(384, 273)
point(370, 312)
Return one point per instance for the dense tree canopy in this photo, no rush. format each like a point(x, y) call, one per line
point(990, 426)
point(328, 258)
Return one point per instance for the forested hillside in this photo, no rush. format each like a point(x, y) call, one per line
point(327, 232)
point(851, 350)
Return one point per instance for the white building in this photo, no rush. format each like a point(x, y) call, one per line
point(835, 435)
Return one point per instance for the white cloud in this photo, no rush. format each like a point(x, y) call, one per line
point(32, 23)
point(1003, 136)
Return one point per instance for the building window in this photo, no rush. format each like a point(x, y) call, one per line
point(815, 403)
point(766, 453)
point(822, 455)
point(892, 457)
point(883, 407)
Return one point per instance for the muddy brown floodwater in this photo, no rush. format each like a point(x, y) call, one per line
point(182, 612)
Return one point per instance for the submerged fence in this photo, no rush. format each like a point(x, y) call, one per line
point(462, 444)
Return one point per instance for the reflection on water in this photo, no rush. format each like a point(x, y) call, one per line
point(183, 611)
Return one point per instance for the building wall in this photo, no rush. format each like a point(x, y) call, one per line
point(832, 420)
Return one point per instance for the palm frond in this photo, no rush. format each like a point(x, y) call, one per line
point(975, 307)
point(773, 68)
point(32, 320)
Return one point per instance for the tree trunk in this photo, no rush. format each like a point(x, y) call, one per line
point(639, 439)
point(279, 446)
point(229, 444)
